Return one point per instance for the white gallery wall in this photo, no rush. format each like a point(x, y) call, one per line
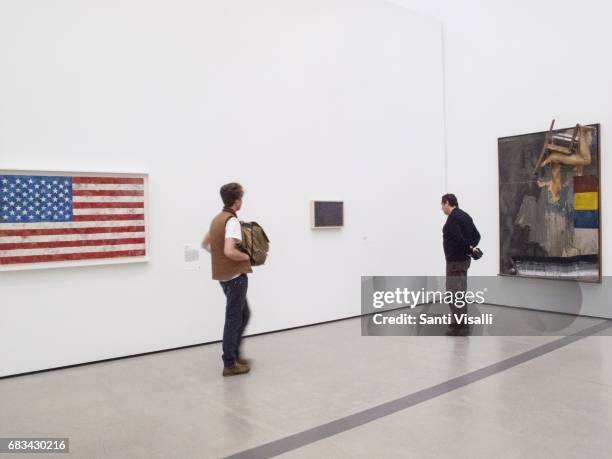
point(511, 67)
point(298, 100)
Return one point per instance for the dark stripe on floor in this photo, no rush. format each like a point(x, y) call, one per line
point(306, 437)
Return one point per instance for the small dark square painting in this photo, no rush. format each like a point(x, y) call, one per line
point(327, 214)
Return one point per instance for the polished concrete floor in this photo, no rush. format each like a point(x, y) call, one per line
point(177, 405)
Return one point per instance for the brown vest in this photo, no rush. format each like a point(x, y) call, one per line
point(223, 268)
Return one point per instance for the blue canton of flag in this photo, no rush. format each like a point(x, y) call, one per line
point(35, 199)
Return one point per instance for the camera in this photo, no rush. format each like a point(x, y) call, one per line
point(476, 253)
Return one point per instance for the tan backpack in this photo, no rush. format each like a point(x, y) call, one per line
point(254, 242)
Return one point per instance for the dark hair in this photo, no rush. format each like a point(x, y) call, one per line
point(230, 192)
point(451, 199)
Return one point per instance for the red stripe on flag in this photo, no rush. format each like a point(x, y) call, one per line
point(107, 193)
point(108, 180)
point(109, 205)
point(70, 256)
point(82, 243)
point(54, 231)
point(94, 218)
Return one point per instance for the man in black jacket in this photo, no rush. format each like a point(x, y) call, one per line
point(460, 237)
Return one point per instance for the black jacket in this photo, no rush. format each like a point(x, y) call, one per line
point(458, 234)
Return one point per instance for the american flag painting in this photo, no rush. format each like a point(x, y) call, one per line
point(50, 220)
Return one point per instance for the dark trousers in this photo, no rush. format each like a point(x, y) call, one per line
point(456, 281)
point(237, 316)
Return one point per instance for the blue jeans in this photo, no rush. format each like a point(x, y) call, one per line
point(237, 316)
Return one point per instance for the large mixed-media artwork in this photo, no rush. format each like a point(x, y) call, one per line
point(549, 203)
point(54, 219)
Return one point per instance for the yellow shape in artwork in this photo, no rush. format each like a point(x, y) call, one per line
point(586, 201)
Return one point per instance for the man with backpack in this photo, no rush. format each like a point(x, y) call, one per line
point(460, 238)
point(230, 267)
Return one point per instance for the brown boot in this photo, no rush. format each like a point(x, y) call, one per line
point(247, 362)
point(237, 369)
